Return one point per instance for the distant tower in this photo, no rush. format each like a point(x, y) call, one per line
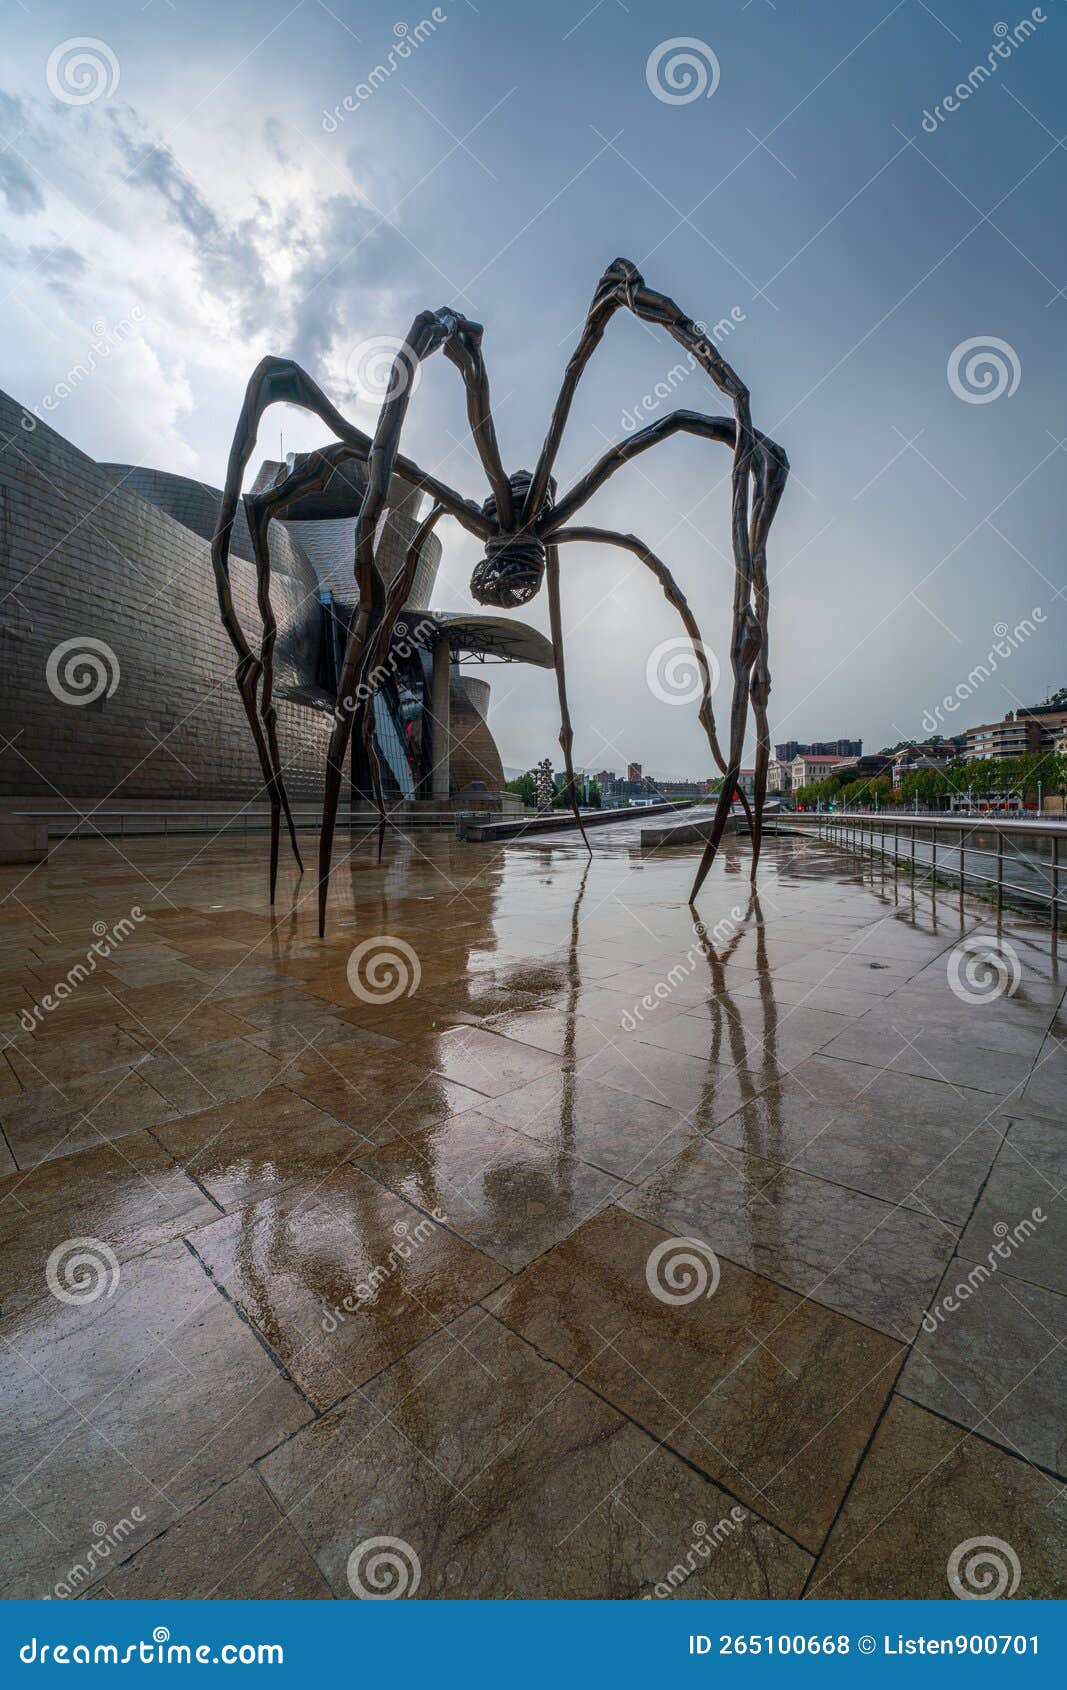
point(633, 771)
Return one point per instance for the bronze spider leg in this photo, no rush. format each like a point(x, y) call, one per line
point(674, 595)
point(462, 339)
point(566, 734)
point(378, 652)
point(770, 472)
point(311, 474)
point(258, 524)
point(281, 380)
point(623, 285)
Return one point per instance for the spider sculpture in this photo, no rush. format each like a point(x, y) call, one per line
point(522, 524)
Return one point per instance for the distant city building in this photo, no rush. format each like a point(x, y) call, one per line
point(746, 780)
point(875, 763)
point(927, 755)
point(780, 775)
point(1021, 731)
point(836, 748)
point(794, 748)
point(607, 780)
point(633, 771)
point(681, 788)
point(808, 767)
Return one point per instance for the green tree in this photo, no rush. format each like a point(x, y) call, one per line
point(523, 788)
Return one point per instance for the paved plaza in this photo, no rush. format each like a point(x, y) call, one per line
point(519, 1240)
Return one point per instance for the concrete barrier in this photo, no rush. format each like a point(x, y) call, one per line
point(23, 839)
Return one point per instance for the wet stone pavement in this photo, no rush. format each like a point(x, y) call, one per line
point(520, 1240)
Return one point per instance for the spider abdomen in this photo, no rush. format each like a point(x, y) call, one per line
point(511, 572)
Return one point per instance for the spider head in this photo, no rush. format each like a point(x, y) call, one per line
point(511, 572)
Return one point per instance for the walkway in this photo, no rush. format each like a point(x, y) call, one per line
point(574, 1253)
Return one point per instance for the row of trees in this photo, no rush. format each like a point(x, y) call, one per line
point(979, 778)
point(589, 794)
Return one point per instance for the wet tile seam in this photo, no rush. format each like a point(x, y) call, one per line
point(252, 1327)
point(1016, 1454)
point(184, 1170)
point(660, 1443)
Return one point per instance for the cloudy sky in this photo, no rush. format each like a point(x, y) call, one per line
point(204, 183)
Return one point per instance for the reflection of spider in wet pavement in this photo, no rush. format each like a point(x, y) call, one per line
point(522, 524)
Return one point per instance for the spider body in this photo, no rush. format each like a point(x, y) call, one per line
point(522, 524)
point(513, 568)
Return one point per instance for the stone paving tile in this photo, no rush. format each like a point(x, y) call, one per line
point(148, 1397)
point(217, 1074)
point(234, 1547)
point(484, 1061)
point(868, 1259)
point(891, 1135)
point(243, 1151)
point(925, 1490)
point(932, 1054)
point(749, 1040)
point(996, 1362)
point(506, 1478)
point(379, 1094)
point(703, 1091)
point(499, 1189)
point(126, 1193)
point(772, 1395)
point(59, 1120)
point(554, 1030)
point(845, 1001)
point(1046, 1087)
point(1028, 1181)
point(38, 1062)
point(575, 1116)
point(343, 1283)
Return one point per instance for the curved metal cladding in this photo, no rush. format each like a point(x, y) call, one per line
point(329, 543)
point(294, 579)
point(90, 562)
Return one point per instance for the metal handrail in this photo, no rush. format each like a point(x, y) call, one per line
point(847, 827)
